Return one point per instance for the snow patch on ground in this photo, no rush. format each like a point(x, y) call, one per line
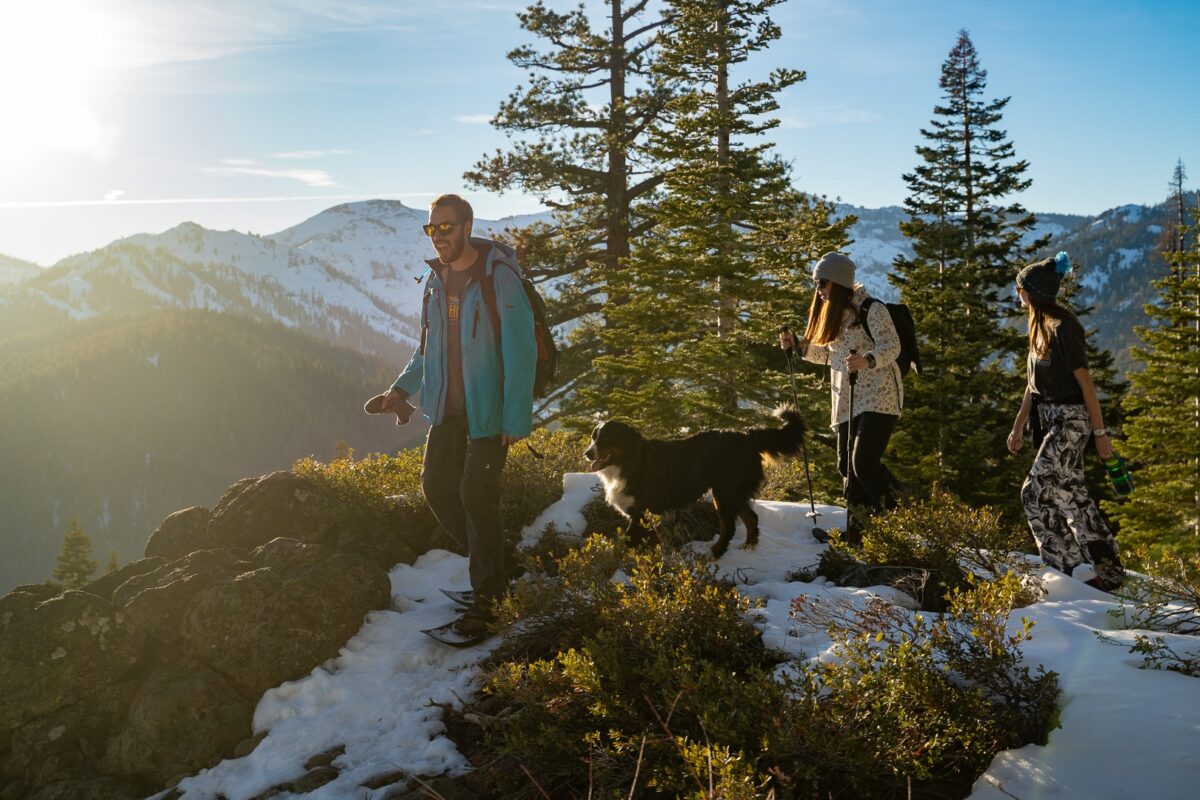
point(1126, 732)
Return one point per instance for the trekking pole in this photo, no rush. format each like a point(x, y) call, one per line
point(850, 477)
point(818, 533)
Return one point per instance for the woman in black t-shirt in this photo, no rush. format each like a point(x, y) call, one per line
point(1064, 520)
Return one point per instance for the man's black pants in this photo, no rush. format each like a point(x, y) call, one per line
point(871, 484)
point(460, 479)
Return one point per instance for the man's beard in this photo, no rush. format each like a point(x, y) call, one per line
point(454, 252)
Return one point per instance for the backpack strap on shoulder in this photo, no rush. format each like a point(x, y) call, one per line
point(862, 312)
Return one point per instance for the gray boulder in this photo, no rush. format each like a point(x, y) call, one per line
point(283, 503)
point(61, 651)
point(106, 584)
point(158, 600)
point(277, 622)
point(181, 533)
point(88, 789)
point(183, 718)
point(64, 744)
point(23, 599)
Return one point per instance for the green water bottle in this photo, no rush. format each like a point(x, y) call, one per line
point(1118, 475)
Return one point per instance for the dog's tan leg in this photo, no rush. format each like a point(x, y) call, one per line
point(750, 520)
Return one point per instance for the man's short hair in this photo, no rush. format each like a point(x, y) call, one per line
point(460, 206)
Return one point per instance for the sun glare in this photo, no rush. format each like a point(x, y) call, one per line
point(55, 61)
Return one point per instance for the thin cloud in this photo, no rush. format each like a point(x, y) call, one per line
point(114, 195)
point(153, 32)
point(248, 167)
point(831, 116)
point(474, 119)
point(309, 154)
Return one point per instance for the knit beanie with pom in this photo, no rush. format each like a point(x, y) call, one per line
point(1042, 279)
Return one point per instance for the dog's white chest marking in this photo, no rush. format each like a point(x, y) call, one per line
point(614, 490)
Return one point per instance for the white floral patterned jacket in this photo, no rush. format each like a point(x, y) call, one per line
point(880, 389)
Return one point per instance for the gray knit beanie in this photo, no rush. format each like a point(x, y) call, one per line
point(836, 268)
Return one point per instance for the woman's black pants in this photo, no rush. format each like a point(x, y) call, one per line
point(867, 482)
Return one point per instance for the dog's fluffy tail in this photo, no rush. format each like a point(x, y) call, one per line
point(785, 441)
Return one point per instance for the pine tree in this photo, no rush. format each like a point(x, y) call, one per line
point(75, 563)
point(578, 130)
point(1162, 436)
point(967, 238)
point(709, 286)
point(113, 563)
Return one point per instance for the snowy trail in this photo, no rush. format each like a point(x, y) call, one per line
point(1126, 732)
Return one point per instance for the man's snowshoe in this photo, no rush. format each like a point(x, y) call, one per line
point(464, 597)
point(454, 635)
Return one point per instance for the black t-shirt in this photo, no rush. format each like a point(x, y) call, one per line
point(456, 281)
point(1052, 377)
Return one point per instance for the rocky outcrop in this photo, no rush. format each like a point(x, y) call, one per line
point(303, 600)
point(60, 652)
point(179, 534)
point(181, 715)
point(152, 672)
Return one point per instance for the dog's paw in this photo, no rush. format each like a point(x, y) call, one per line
point(717, 551)
point(750, 545)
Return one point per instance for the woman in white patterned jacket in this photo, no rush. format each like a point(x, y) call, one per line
point(836, 336)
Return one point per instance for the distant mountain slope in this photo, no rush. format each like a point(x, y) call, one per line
point(344, 275)
point(380, 244)
point(14, 270)
point(1117, 255)
point(877, 241)
point(123, 419)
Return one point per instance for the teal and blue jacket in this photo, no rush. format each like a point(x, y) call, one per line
point(497, 375)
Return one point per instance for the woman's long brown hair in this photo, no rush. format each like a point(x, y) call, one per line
point(825, 318)
point(1044, 319)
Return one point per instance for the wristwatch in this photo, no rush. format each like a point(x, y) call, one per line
point(871, 360)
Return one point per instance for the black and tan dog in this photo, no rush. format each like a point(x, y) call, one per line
point(655, 475)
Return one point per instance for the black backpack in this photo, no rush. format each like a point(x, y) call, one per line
point(547, 350)
point(906, 329)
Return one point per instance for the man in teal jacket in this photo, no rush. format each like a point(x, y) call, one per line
point(473, 377)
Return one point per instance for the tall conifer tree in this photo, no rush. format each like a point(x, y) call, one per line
point(1162, 434)
point(578, 130)
point(695, 345)
point(75, 563)
point(967, 235)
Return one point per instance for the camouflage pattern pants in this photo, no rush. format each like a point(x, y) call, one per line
point(1062, 516)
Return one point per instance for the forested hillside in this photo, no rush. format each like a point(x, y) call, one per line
point(121, 420)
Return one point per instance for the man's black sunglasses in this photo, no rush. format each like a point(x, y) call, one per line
point(439, 227)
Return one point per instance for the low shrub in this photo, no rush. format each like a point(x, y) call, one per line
point(1167, 600)
point(912, 705)
point(929, 547)
point(611, 685)
point(368, 491)
point(638, 675)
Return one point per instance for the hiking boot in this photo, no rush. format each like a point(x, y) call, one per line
point(1103, 585)
point(475, 621)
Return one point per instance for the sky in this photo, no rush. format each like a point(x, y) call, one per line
point(131, 116)
point(1123, 731)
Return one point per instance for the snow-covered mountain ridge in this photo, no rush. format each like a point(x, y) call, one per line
point(348, 274)
point(343, 275)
